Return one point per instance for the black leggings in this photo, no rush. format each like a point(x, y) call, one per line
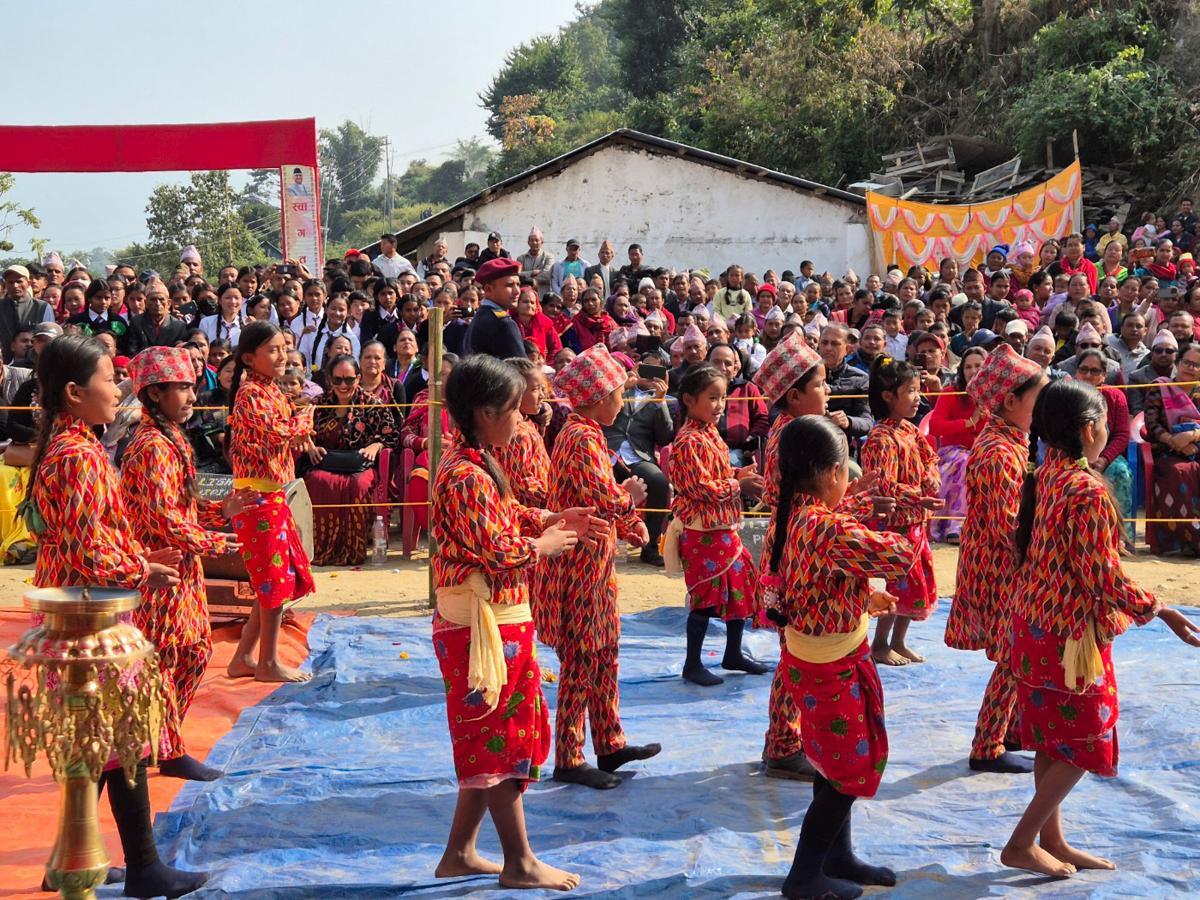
point(826, 814)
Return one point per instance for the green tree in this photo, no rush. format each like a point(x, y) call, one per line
point(13, 214)
point(350, 160)
point(203, 212)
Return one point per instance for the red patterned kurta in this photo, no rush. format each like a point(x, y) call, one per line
point(987, 560)
point(577, 611)
point(163, 514)
point(826, 562)
point(1072, 575)
point(987, 564)
point(262, 429)
point(908, 469)
point(526, 464)
point(784, 735)
point(88, 538)
point(477, 530)
point(718, 571)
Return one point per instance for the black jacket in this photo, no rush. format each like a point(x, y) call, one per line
point(846, 379)
point(598, 269)
point(646, 426)
point(14, 314)
point(143, 333)
point(494, 332)
point(376, 328)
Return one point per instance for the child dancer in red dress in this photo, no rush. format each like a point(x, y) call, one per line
point(483, 633)
point(84, 538)
point(524, 460)
point(707, 508)
point(907, 471)
point(1004, 392)
point(158, 480)
point(1071, 600)
point(822, 558)
point(577, 591)
point(264, 432)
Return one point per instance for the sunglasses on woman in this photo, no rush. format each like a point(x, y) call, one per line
point(343, 379)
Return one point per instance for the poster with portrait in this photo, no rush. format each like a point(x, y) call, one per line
point(301, 216)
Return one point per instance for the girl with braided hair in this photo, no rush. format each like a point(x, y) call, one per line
point(158, 480)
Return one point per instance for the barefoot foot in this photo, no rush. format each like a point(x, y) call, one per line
point(909, 654)
point(1077, 858)
point(1035, 859)
point(532, 874)
point(276, 672)
point(241, 667)
point(456, 865)
point(888, 657)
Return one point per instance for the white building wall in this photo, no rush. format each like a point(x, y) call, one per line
point(684, 214)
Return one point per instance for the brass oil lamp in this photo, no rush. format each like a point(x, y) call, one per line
point(82, 686)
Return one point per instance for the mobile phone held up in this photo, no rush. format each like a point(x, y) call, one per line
point(651, 372)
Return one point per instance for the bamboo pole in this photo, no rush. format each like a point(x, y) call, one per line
point(435, 424)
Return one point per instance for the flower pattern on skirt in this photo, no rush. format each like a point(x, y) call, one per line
point(1075, 727)
point(513, 740)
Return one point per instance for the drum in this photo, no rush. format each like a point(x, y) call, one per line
point(231, 566)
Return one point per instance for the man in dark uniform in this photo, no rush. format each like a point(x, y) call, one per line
point(493, 330)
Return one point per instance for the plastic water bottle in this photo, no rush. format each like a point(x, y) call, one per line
point(379, 543)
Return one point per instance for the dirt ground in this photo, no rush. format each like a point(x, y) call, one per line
point(402, 588)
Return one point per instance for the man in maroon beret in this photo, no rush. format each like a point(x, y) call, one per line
point(493, 329)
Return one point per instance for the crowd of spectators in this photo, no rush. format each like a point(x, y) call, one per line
point(1118, 309)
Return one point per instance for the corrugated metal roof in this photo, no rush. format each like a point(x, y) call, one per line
point(411, 237)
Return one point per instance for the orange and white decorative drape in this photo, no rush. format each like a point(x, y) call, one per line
point(909, 233)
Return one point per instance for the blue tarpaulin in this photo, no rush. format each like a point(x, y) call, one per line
point(343, 787)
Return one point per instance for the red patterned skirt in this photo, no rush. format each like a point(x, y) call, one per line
point(513, 740)
point(1079, 728)
point(842, 704)
point(273, 552)
point(719, 574)
point(916, 593)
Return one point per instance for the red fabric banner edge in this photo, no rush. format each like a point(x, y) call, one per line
point(158, 148)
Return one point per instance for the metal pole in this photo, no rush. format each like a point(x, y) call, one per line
point(387, 157)
point(435, 424)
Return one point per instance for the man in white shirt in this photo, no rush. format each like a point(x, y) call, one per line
point(389, 263)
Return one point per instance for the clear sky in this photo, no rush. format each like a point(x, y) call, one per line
point(411, 71)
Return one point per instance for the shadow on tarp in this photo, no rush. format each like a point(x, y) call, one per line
point(343, 787)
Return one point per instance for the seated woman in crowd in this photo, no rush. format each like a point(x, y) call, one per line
point(414, 436)
point(1173, 429)
point(404, 356)
point(746, 420)
point(535, 325)
point(338, 346)
point(350, 427)
point(590, 325)
point(954, 424)
point(1090, 368)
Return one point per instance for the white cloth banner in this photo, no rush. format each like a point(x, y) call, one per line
point(301, 216)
